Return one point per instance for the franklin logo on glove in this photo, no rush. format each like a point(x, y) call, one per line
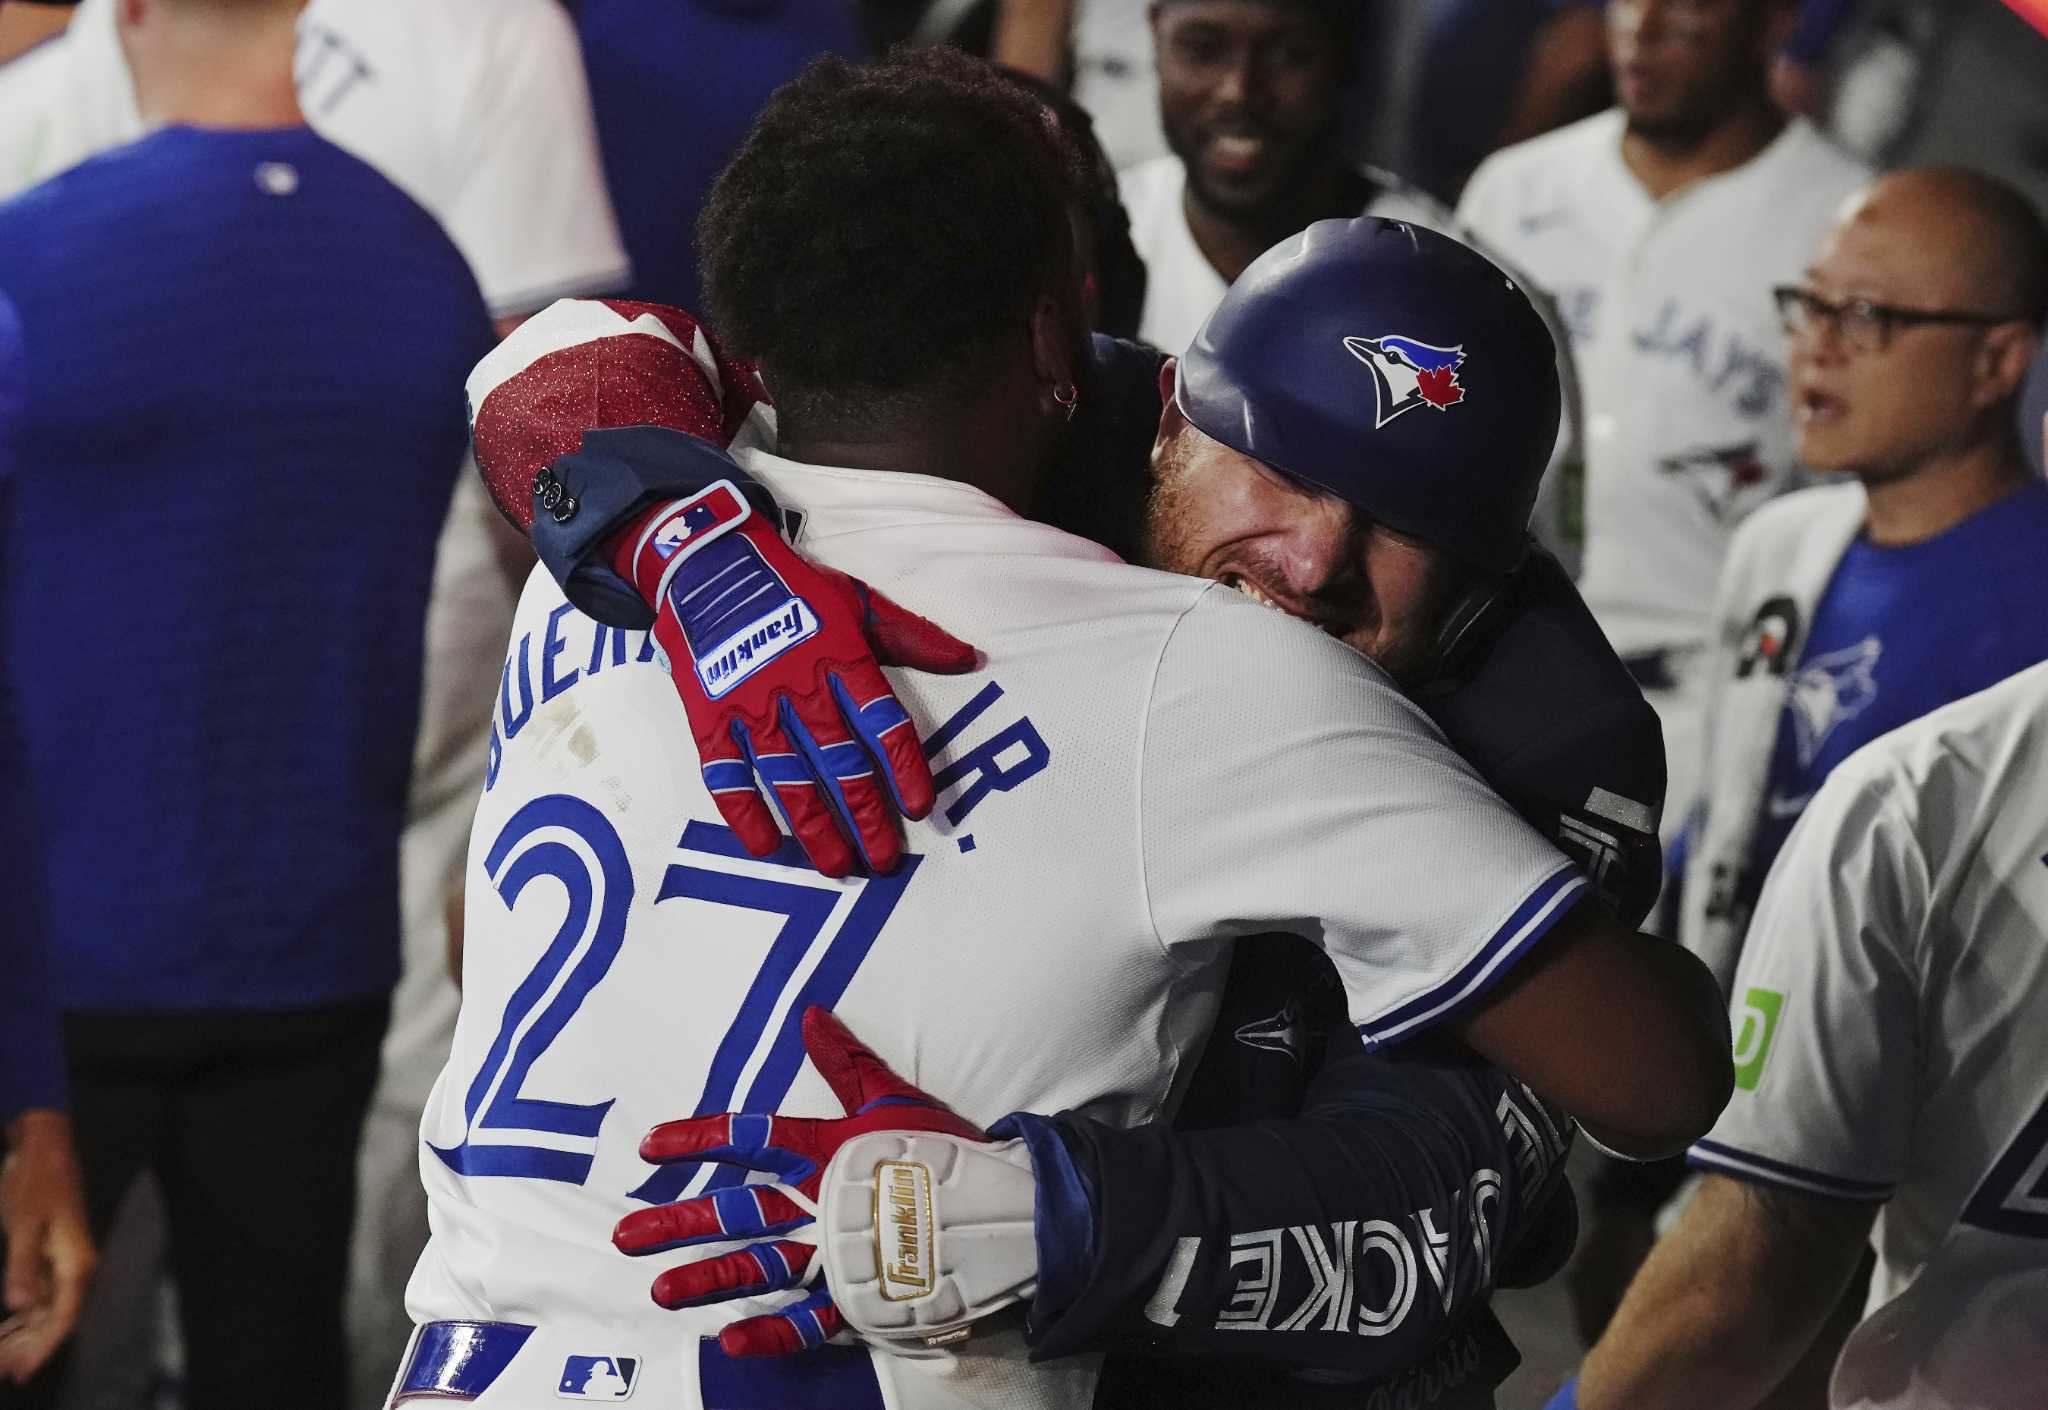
point(903, 1228)
point(626, 411)
point(754, 646)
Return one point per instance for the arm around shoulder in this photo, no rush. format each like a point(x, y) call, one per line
point(1626, 1032)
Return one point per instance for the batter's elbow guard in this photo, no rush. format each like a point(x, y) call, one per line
point(582, 498)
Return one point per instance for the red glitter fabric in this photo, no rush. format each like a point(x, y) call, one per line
point(585, 365)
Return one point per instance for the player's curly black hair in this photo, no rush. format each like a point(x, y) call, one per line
point(881, 225)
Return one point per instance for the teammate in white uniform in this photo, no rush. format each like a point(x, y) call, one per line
point(1250, 95)
point(1109, 818)
point(1182, 285)
point(1659, 228)
point(1892, 1070)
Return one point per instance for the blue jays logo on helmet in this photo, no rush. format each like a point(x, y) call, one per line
point(1407, 373)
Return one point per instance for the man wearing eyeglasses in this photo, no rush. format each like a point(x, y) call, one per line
point(1882, 1057)
point(1848, 610)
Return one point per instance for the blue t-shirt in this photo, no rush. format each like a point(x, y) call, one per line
point(243, 424)
point(1903, 631)
point(675, 85)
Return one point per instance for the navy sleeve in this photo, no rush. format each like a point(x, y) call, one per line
point(583, 496)
point(1352, 1240)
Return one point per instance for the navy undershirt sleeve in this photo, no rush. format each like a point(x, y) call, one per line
point(1279, 1240)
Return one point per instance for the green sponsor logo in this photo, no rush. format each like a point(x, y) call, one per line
point(1755, 1025)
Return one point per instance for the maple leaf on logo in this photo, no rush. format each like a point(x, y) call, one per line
point(1439, 387)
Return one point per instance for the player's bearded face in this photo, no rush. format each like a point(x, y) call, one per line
point(1248, 96)
point(1216, 513)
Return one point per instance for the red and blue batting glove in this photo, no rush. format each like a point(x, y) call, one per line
point(778, 661)
point(795, 1150)
point(601, 430)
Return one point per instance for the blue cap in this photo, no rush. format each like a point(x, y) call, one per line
point(1392, 367)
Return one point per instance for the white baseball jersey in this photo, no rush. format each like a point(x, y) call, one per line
point(1682, 420)
point(1145, 767)
point(1890, 1045)
point(477, 109)
point(1680, 359)
point(1181, 287)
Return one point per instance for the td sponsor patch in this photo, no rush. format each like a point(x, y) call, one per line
point(1755, 1026)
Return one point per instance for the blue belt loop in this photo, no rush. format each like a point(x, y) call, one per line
point(458, 1360)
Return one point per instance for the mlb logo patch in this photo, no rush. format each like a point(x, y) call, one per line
point(702, 519)
point(598, 1377)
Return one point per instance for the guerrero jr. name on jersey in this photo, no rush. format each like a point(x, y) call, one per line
point(985, 748)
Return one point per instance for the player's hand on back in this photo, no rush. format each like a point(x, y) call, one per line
point(853, 1216)
point(602, 430)
point(778, 662)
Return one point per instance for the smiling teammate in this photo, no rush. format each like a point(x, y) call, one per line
point(1250, 95)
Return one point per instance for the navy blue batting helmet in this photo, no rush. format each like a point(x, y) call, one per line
point(1392, 367)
